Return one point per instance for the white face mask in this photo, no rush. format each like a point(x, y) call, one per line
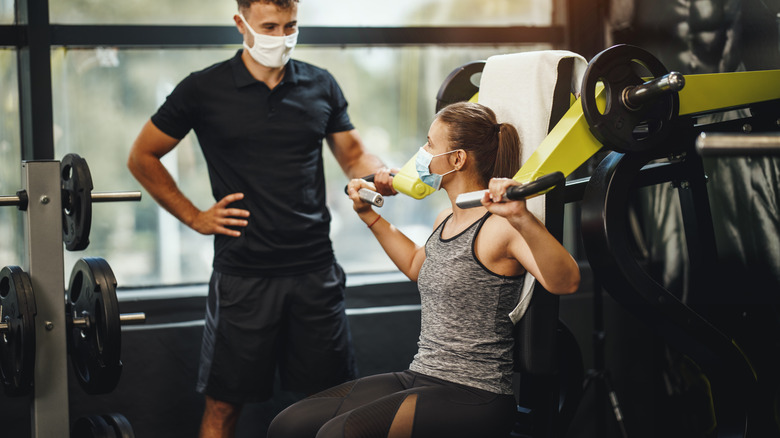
point(270, 51)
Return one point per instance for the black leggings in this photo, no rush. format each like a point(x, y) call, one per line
point(397, 405)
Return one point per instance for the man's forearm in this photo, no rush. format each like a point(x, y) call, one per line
point(159, 183)
point(366, 165)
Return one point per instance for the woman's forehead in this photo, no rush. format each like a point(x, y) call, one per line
point(438, 129)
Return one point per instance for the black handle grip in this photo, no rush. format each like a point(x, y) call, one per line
point(540, 184)
point(369, 178)
point(474, 199)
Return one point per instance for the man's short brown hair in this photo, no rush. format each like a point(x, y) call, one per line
point(282, 4)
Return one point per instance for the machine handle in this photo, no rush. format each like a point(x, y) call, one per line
point(523, 191)
point(370, 196)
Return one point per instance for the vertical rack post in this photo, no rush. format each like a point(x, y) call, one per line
point(43, 231)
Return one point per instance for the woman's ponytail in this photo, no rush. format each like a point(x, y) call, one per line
point(508, 152)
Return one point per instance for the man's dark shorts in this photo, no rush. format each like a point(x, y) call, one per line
point(254, 324)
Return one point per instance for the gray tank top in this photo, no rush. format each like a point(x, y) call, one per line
point(466, 334)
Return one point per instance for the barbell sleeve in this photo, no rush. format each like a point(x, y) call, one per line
point(115, 196)
point(19, 200)
point(634, 97)
point(132, 318)
point(9, 200)
point(124, 318)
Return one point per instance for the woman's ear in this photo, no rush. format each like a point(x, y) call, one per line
point(459, 159)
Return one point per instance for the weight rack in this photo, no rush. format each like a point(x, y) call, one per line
point(56, 209)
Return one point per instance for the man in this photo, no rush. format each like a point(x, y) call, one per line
point(276, 292)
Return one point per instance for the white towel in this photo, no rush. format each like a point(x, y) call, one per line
point(519, 88)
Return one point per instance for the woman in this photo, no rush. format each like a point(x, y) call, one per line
point(469, 274)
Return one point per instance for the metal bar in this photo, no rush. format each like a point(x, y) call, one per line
point(699, 233)
point(35, 91)
point(132, 318)
point(220, 36)
point(575, 190)
point(738, 144)
point(650, 174)
point(150, 36)
point(9, 36)
point(43, 232)
point(9, 200)
point(115, 196)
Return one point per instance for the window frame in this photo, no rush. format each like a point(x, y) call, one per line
point(35, 38)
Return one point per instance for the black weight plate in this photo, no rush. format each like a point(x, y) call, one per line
point(95, 348)
point(121, 425)
point(76, 181)
point(92, 426)
point(17, 341)
point(459, 86)
point(620, 128)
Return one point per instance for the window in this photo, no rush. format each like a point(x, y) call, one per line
point(103, 96)
point(312, 12)
point(6, 11)
point(11, 227)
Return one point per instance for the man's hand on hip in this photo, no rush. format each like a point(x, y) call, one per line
point(216, 219)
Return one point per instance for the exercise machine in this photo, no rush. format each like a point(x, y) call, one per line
point(648, 119)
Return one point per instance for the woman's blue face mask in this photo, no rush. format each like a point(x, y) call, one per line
point(423, 163)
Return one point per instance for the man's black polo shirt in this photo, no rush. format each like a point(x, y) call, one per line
point(266, 144)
